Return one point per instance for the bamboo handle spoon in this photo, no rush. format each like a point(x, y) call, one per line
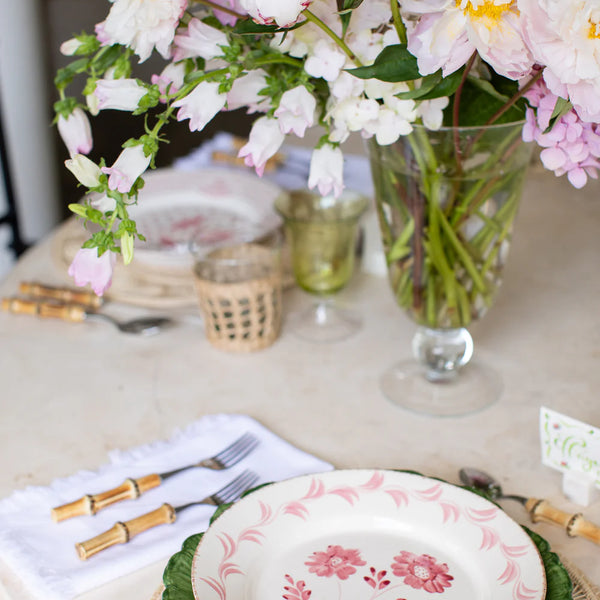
point(539, 510)
point(74, 313)
point(62, 294)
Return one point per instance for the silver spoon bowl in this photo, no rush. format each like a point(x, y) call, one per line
point(142, 326)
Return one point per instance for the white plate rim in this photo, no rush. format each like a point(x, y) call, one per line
point(457, 503)
point(163, 184)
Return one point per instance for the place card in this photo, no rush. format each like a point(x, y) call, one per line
point(573, 447)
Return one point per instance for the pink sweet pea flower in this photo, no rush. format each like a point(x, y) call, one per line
point(142, 25)
point(118, 94)
point(226, 18)
point(281, 12)
point(171, 79)
point(264, 140)
point(327, 170)
point(76, 132)
point(201, 105)
point(296, 111)
point(130, 164)
point(88, 267)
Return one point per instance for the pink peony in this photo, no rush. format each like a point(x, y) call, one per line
point(422, 572)
point(335, 561)
point(88, 267)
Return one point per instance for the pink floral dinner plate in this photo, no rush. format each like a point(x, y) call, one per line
point(210, 206)
point(366, 535)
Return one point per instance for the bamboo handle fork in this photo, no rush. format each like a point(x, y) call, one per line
point(132, 488)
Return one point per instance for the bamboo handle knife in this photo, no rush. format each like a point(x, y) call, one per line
point(574, 524)
point(62, 294)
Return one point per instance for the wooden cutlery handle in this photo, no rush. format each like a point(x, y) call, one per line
point(62, 294)
point(575, 524)
point(90, 505)
point(122, 532)
point(46, 310)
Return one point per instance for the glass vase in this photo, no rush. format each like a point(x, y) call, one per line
point(446, 202)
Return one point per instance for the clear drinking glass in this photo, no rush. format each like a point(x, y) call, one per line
point(321, 231)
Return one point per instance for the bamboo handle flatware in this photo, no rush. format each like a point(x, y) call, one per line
point(73, 313)
point(133, 488)
point(539, 510)
point(122, 532)
point(62, 294)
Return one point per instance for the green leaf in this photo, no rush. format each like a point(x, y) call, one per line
point(65, 75)
point(249, 27)
point(428, 84)
point(106, 58)
point(65, 106)
point(447, 86)
point(394, 63)
point(479, 101)
point(561, 108)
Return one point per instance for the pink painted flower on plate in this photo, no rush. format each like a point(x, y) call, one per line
point(422, 572)
point(335, 561)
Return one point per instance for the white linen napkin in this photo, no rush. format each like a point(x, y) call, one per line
point(42, 552)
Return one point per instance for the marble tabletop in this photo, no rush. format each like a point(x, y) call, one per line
point(73, 392)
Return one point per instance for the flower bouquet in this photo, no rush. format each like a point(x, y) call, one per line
point(389, 70)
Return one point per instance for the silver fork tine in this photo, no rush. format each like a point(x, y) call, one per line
point(236, 451)
point(235, 488)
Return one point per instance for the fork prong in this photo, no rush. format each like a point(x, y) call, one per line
point(236, 451)
point(236, 487)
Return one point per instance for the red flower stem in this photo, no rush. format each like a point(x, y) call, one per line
point(455, 113)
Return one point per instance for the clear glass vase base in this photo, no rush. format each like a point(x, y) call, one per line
point(475, 388)
point(324, 324)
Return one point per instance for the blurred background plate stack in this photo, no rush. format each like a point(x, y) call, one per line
point(214, 206)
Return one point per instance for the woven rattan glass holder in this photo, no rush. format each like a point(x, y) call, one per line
point(239, 293)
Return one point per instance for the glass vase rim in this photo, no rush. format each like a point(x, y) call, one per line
point(492, 126)
point(360, 201)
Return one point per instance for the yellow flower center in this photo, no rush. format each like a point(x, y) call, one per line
point(484, 10)
point(594, 30)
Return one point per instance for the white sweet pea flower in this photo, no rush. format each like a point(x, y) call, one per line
point(142, 25)
point(245, 92)
point(346, 85)
point(130, 164)
point(296, 111)
point(76, 132)
point(283, 12)
point(69, 47)
point(354, 113)
point(201, 105)
point(264, 140)
point(104, 203)
point(87, 172)
point(390, 124)
point(325, 60)
point(119, 94)
point(199, 39)
point(171, 78)
point(327, 170)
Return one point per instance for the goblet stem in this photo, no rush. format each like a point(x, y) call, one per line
point(442, 352)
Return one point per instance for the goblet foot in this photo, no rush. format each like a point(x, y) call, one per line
point(440, 382)
point(324, 322)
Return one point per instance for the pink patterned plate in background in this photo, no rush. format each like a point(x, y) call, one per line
point(213, 206)
point(366, 535)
